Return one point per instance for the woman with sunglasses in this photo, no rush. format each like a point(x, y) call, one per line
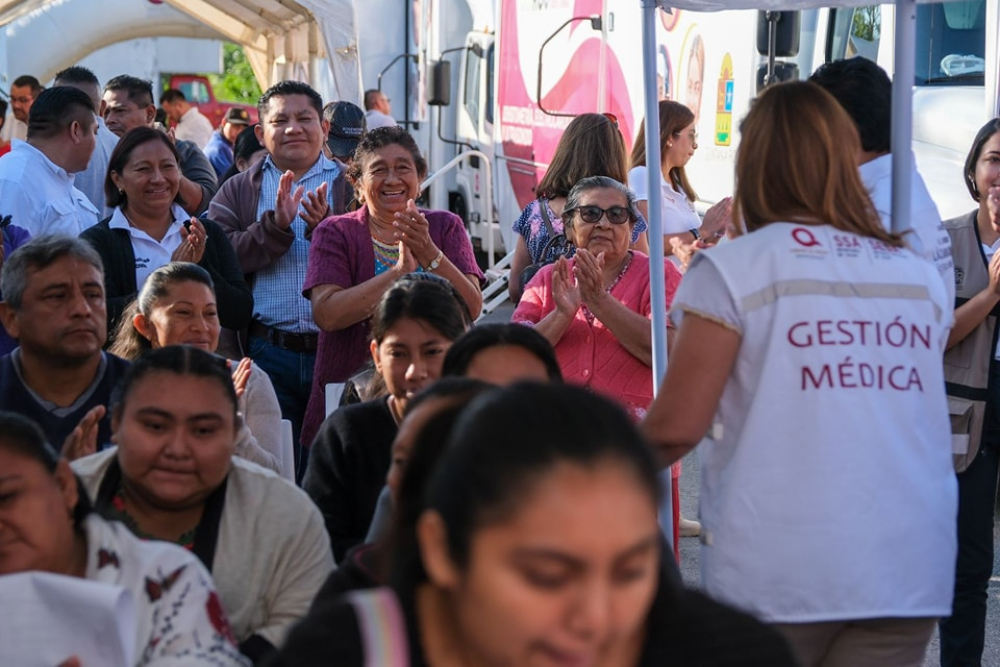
point(595, 307)
point(591, 145)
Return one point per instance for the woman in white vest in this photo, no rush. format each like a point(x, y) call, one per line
point(973, 383)
point(814, 343)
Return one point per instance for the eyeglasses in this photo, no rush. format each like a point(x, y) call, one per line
point(617, 215)
point(611, 117)
point(692, 135)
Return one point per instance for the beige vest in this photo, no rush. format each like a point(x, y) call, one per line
point(967, 365)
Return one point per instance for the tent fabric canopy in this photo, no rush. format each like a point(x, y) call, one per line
point(282, 38)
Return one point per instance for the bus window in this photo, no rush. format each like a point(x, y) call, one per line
point(855, 32)
point(951, 43)
point(472, 68)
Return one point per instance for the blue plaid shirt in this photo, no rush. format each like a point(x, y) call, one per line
point(277, 290)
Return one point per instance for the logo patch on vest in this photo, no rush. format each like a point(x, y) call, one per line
point(959, 278)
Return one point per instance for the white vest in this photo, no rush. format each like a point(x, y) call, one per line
point(831, 493)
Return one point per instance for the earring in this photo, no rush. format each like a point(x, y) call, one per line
point(121, 191)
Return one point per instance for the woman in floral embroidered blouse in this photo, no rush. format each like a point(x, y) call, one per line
point(47, 525)
point(173, 477)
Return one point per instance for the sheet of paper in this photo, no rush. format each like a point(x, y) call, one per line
point(48, 618)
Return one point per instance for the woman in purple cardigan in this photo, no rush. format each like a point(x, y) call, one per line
point(355, 258)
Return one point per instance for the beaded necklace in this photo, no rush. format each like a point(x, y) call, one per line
point(119, 513)
point(386, 255)
point(628, 261)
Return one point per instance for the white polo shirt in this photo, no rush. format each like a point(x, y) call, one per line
point(679, 215)
point(151, 254)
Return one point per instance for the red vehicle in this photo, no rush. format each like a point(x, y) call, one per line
point(198, 91)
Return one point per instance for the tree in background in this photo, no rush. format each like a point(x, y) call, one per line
point(868, 22)
point(237, 83)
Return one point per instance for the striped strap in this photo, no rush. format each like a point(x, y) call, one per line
point(383, 629)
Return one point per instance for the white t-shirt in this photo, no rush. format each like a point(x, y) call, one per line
point(679, 215)
point(194, 126)
point(151, 254)
point(14, 129)
point(375, 118)
point(830, 494)
point(929, 239)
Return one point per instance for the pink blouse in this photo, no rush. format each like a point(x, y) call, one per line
point(589, 354)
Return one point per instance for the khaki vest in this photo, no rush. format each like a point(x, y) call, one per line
point(967, 365)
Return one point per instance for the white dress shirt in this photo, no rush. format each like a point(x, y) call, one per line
point(39, 195)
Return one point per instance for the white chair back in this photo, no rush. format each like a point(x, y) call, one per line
point(287, 451)
point(334, 391)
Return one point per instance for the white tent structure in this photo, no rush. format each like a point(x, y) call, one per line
point(281, 38)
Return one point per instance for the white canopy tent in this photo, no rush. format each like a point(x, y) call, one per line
point(285, 38)
point(282, 38)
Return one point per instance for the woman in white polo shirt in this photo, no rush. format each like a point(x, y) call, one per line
point(678, 142)
point(149, 229)
point(828, 499)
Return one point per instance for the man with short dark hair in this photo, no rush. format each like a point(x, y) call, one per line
point(864, 90)
point(259, 209)
point(189, 123)
point(54, 304)
point(128, 104)
point(36, 177)
point(378, 112)
point(23, 92)
point(90, 181)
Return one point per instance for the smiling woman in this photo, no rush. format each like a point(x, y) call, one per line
point(177, 306)
point(47, 525)
point(173, 477)
point(149, 228)
point(355, 258)
point(594, 309)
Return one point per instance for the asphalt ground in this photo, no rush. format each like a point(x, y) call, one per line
point(690, 548)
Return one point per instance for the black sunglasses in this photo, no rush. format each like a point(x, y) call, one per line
point(617, 215)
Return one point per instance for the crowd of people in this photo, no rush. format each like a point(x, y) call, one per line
point(242, 379)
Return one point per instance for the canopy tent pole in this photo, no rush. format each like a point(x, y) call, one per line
point(658, 299)
point(902, 114)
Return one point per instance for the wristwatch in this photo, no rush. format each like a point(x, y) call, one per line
point(694, 231)
point(436, 262)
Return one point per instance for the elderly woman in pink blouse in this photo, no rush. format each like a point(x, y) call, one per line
point(595, 308)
